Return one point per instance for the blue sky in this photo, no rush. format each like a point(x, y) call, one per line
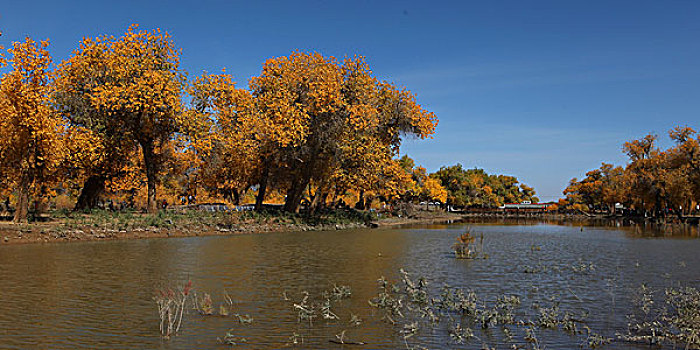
point(542, 90)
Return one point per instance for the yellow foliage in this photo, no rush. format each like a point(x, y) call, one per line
point(31, 146)
point(127, 91)
point(434, 191)
point(307, 120)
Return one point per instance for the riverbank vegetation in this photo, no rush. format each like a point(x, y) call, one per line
point(120, 118)
point(655, 182)
point(72, 226)
point(119, 125)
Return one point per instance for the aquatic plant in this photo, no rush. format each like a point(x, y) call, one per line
point(226, 307)
point(463, 245)
point(244, 319)
point(205, 305)
point(338, 292)
point(594, 340)
point(306, 311)
point(408, 331)
point(676, 321)
point(231, 339)
point(531, 337)
point(505, 309)
point(326, 312)
point(548, 317)
point(583, 267)
point(459, 334)
point(569, 323)
point(466, 248)
point(412, 308)
point(295, 339)
point(410, 300)
point(341, 339)
point(355, 320)
point(388, 301)
point(416, 291)
point(171, 308)
point(454, 300)
point(223, 311)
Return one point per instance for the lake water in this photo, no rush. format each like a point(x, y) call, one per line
point(99, 295)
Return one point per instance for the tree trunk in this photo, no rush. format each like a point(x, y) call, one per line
point(149, 158)
point(334, 202)
point(360, 205)
point(314, 201)
point(324, 200)
point(295, 194)
point(292, 193)
point(321, 202)
point(22, 206)
point(92, 189)
point(236, 197)
point(261, 189)
point(319, 199)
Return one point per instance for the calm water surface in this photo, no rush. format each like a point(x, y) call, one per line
point(98, 295)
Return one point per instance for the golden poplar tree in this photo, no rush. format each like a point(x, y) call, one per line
point(127, 91)
point(655, 181)
point(313, 111)
point(218, 143)
point(31, 143)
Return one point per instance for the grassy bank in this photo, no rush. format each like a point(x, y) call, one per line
point(66, 226)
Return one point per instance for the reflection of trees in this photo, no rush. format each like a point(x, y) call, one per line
point(631, 227)
point(58, 291)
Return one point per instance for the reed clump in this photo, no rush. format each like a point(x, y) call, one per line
point(466, 247)
point(171, 308)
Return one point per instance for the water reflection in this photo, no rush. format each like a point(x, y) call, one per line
point(98, 295)
point(632, 228)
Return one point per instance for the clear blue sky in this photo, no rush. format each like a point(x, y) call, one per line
point(542, 90)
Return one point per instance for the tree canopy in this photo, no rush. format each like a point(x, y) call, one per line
point(654, 181)
point(32, 134)
point(476, 188)
point(120, 116)
point(127, 92)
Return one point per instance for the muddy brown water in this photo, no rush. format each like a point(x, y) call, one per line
point(98, 295)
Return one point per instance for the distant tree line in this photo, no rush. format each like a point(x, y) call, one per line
point(474, 188)
point(655, 182)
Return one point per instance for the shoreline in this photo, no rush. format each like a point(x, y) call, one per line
point(90, 228)
point(56, 232)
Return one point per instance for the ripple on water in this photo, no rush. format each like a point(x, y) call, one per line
point(97, 295)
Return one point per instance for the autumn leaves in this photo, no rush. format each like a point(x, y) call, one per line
point(29, 128)
point(329, 124)
point(308, 126)
point(655, 181)
point(127, 92)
